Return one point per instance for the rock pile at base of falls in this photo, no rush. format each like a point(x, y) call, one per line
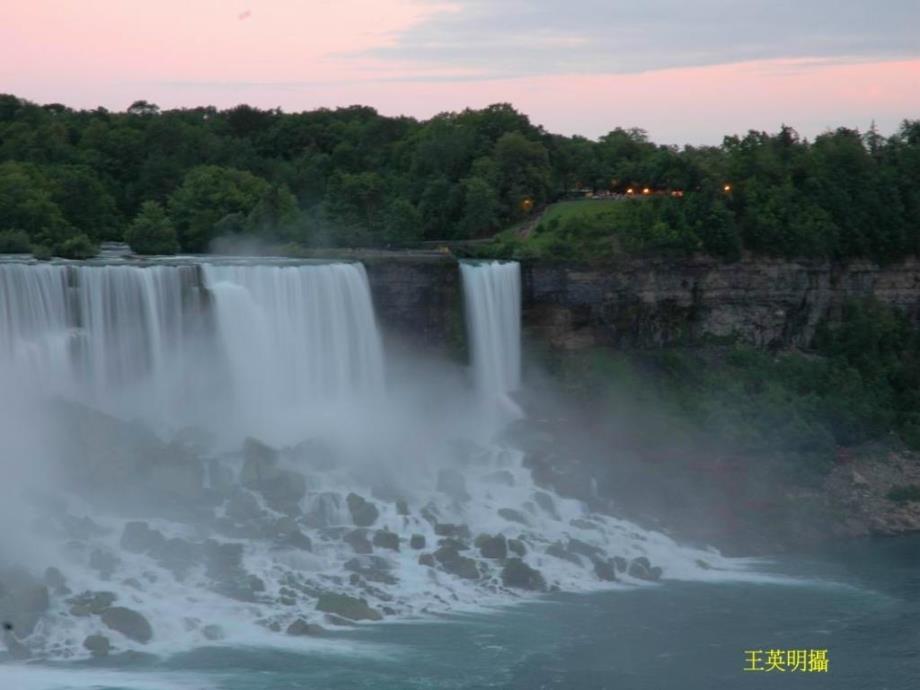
point(272, 529)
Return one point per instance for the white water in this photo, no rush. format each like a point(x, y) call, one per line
point(277, 351)
point(492, 295)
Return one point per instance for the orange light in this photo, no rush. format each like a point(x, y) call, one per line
point(646, 190)
point(630, 191)
point(526, 205)
point(727, 188)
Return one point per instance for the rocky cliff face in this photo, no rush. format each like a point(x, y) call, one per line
point(642, 302)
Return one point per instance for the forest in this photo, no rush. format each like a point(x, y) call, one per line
point(175, 180)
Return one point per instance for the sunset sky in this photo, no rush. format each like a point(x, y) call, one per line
point(688, 72)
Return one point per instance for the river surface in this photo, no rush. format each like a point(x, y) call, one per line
point(860, 602)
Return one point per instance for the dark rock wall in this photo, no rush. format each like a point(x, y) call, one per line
point(643, 302)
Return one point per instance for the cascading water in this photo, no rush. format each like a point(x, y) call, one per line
point(370, 493)
point(492, 295)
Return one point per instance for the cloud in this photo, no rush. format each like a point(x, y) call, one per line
point(528, 37)
point(246, 14)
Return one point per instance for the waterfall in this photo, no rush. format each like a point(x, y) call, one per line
point(92, 332)
point(297, 336)
point(159, 343)
point(492, 294)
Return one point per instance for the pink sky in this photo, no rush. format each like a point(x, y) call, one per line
point(301, 55)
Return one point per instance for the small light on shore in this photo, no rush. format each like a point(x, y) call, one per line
point(727, 188)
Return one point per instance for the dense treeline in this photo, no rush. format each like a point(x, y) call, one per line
point(178, 179)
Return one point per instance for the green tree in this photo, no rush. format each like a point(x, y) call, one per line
point(208, 194)
point(403, 224)
point(151, 231)
point(26, 202)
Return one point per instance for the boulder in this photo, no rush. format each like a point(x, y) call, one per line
point(223, 560)
point(402, 507)
point(242, 506)
point(386, 540)
point(315, 454)
point(417, 541)
point(55, 581)
point(288, 534)
point(301, 628)
point(137, 537)
point(546, 503)
point(453, 484)
point(128, 622)
point(605, 570)
point(492, 547)
point(13, 644)
point(577, 546)
point(519, 575)
point(426, 559)
point(557, 550)
point(363, 512)
point(454, 531)
point(23, 600)
point(104, 562)
point(98, 645)
point(220, 477)
point(516, 546)
point(213, 632)
point(371, 568)
point(500, 477)
point(641, 569)
point(325, 510)
point(91, 603)
point(620, 563)
point(177, 555)
point(512, 515)
point(351, 608)
point(358, 541)
point(461, 566)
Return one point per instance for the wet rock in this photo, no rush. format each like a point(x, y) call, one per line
point(363, 512)
point(128, 622)
point(54, 579)
point(213, 632)
point(104, 562)
point(500, 477)
point(98, 645)
point(557, 550)
point(91, 603)
point(220, 477)
point(453, 484)
point(386, 540)
point(325, 509)
point(584, 524)
point(641, 569)
point(461, 566)
point(14, 646)
point(358, 541)
point(23, 600)
point(492, 547)
point(512, 515)
point(301, 628)
point(371, 568)
point(82, 528)
point(288, 534)
point(426, 559)
point(430, 514)
point(516, 546)
point(242, 506)
point(417, 541)
point(519, 575)
point(179, 476)
point(402, 507)
point(284, 492)
point(546, 503)
point(137, 537)
point(577, 546)
point(282, 489)
point(605, 570)
point(347, 607)
point(314, 453)
point(223, 560)
point(620, 563)
point(453, 531)
point(177, 555)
